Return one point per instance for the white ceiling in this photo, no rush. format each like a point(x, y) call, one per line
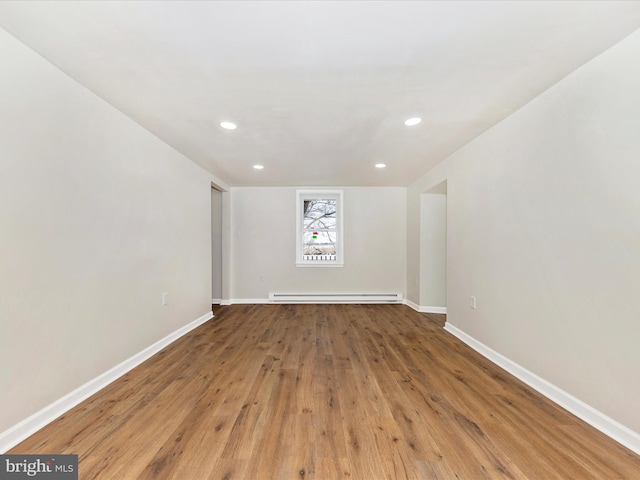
point(319, 90)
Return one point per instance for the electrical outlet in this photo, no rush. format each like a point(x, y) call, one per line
point(165, 298)
point(472, 304)
point(261, 278)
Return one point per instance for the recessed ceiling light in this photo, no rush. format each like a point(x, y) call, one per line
point(381, 165)
point(412, 121)
point(228, 125)
point(258, 167)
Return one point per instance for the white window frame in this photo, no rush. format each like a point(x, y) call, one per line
point(301, 196)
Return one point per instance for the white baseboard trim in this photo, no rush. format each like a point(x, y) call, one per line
point(441, 310)
point(216, 301)
point(593, 417)
point(423, 309)
point(259, 301)
point(225, 302)
point(411, 304)
point(244, 301)
point(27, 427)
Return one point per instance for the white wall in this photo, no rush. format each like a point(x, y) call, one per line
point(264, 233)
point(544, 228)
point(433, 250)
point(97, 219)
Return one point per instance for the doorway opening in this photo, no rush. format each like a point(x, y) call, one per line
point(433, 249)
point(216, 246)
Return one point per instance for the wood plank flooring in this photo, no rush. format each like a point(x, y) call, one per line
point(359, 392)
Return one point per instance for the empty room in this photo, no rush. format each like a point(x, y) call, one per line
point(322, 240)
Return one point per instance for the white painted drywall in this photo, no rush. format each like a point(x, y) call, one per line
point(544, 229)
point(97, 219)
point(433, 250)
point(264, 233)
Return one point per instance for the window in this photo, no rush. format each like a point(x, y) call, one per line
point(319, 228)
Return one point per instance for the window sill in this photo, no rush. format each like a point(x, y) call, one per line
point(318, 264)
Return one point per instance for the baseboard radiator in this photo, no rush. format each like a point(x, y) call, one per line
point(335, 298)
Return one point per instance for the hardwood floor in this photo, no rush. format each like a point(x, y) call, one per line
point(363, 392)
